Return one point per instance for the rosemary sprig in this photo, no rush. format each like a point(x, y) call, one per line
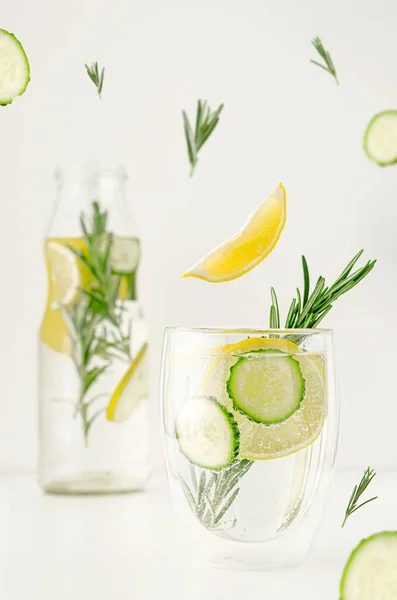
point(206, 121)
point(358, 491)
point(96, 307)
point(104, 293)
point(96, 76)
point(212, 493)
point(325, 55)
point(308, 309)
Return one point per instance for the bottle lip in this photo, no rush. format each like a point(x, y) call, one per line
point(84, 170)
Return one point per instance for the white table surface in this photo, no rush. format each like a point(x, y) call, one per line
point(131, 547)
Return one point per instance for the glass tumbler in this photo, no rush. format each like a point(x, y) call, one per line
point(250, 423)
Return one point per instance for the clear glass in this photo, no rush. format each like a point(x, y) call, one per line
point(93, 359)
point(261, 509)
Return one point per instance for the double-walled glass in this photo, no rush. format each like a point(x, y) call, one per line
point(250, 428)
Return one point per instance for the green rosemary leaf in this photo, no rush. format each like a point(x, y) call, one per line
point(275, 309)
point(306, 280)
point(227, 504)
point(191, 144)
point(348, 269)
point(315, 294)
point(92, 420)
point(199, 118)
point(290, 321)
point(91, 375)
point(201, 493)
point(189, 496)
point(210, 517)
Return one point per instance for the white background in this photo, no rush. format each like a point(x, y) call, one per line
point(284, 120)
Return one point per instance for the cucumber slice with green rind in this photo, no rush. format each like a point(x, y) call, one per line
point(266, 386)
point(207, 433)
point(14, 68)
point(371, 571)
point(380, 138)
point(124, 254)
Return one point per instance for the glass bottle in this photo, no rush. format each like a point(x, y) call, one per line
point(93, 357)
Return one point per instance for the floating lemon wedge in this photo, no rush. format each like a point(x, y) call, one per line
point(249, 246)
point(131, 390)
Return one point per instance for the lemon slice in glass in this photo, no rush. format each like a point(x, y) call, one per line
point(249, 246)
point(259, 441)
point(131, 390)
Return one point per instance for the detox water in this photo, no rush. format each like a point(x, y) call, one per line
point(250, 492)
point(93, 352)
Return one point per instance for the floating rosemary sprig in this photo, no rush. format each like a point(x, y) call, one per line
point(358, 491)
point(213, 493)
point(325, 55)
point(96, 76)
point(307, 310)
point(206, 121)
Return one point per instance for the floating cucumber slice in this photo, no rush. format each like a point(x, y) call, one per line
point(14, 68)
point(124, 255)
point(207, 433)
point(380, 138)
point(371, 571)
point(266, 386)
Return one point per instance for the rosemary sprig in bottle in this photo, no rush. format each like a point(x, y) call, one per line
point(97, 307)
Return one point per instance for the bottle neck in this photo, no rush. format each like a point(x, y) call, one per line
point(92, 216)
point(78, 188)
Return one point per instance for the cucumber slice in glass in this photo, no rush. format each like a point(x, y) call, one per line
point(124, 255)
point(380, 138)
point(371, 571)
point(207, 433)
point(266, 386)
point(14, 68)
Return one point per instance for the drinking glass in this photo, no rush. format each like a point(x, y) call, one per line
point(250, 422)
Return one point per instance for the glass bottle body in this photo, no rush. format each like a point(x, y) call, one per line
point(93, 359)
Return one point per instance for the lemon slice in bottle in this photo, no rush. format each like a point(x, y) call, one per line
point(259, 441)
point(131, 390)
point(249, 246)
point(66, 275)
point(65, 278)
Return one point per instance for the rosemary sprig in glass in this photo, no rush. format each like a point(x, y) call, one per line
point(206, 121)
point(213, 493)
point(308, 309)
point(325, 55)
point(96, 76)
point(358, 491)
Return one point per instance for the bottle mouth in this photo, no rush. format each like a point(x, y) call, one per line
point(88, 170)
